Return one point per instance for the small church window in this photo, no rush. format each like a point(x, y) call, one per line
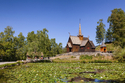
point(82, 48)
point(88, 48)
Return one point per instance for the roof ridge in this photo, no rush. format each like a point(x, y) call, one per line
point(73, 36)
point(77, 36)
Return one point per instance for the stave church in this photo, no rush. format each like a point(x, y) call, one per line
point(80, 43)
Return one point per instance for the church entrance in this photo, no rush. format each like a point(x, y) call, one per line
point(70, 49)
point(104, 50)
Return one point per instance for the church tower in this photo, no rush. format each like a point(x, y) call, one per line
point(80, 33)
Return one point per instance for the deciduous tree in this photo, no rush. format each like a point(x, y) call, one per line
point(117, 23)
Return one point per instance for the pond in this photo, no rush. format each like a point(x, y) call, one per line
point(64, 72)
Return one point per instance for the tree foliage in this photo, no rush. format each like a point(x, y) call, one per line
point(40, 42)
point(7, 43)
point(117, 24)
point(17, 47)
point(100, 31)
point(109, 36)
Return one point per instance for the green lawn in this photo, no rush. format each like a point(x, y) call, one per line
point(60, 72)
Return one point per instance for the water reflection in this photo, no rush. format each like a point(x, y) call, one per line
point(86, 80)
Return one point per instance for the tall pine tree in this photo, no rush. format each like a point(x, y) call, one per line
point(100, 31)
point(109, 36)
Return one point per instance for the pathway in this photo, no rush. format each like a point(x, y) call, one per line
point(1, 63)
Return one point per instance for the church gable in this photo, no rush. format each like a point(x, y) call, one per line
point(88, 47)
point(69, 45)
point(84, 43)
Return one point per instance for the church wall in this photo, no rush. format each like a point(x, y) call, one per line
point(82, 49)
point(102, 49)
point(75, 48)
point(93, 49)
point(67, 48)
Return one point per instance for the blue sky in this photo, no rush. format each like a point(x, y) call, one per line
point(58, 16)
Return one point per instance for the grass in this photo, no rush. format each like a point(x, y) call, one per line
point(85, 57)
point(60, 72)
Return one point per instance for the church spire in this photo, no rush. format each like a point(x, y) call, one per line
point(80, 33)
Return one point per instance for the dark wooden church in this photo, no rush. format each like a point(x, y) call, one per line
point(80, 43)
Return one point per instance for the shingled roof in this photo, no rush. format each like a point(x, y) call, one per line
point(103, 45)
point(76, 40)
point(93, 46)
point(83, 43)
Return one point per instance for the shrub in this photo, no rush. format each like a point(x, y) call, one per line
point(119, 54)
point(73, 57)
point(57, 58)
point(2, 65)
point(85, 57)
point(100, 61)
point(66, 61)
point(19, 62)
point(13, 64)
point(82, 61)
point(42, 61)
point(98, 54)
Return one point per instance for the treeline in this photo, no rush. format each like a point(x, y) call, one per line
point(17, 47)
point(116, 31)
